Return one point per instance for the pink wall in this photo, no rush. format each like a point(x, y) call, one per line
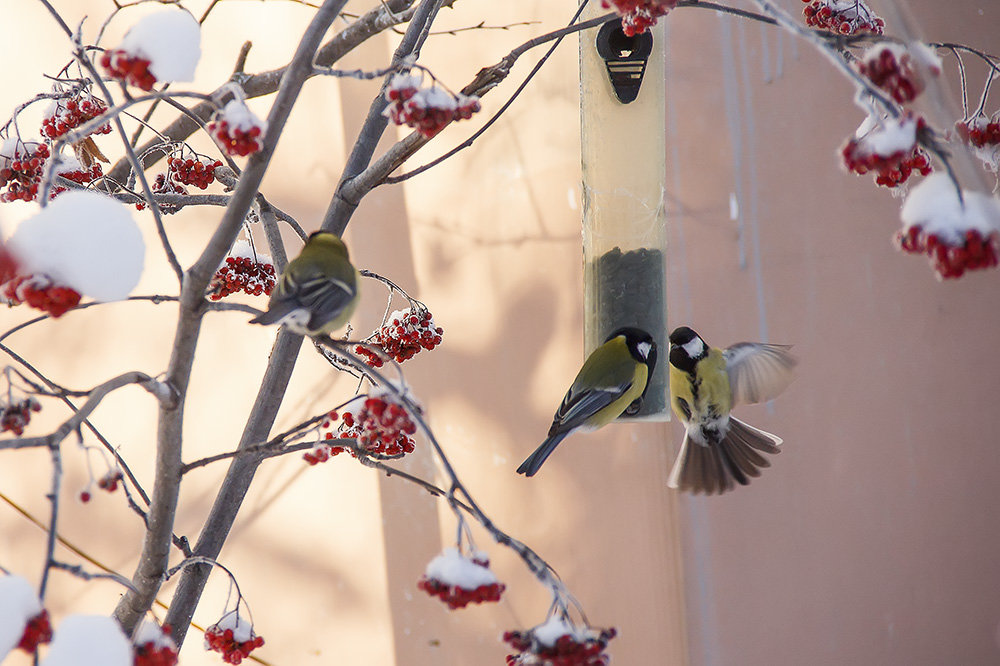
point(874, 537)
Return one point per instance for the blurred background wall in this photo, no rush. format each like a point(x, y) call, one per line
point(871, 540)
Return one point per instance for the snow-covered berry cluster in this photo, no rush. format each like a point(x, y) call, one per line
point(957, 234)
point(153, 646)
point(459, 580)
point(237, 130)
point(72, 169)
point(427, 110)
point(22, 164)
point(980, 131)
point(69, 113)
point(951, 257)
point(39, 292)
point(16, 415)
point(378, 422)
point(401, 337)
point(196, 171)
point(243, 270)
point(847, 17)
point(983, 134)
point(639, 15)
point(888, 149)
point(127, 68)
point(893, 68)
point(233, 637)
point(558, 643)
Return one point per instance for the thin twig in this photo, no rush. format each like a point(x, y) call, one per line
point(78, 571)
point(96, 395)
point(538, 566)
point(556, 36)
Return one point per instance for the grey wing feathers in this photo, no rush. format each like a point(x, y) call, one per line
point(275, 312)
point(324, 298)
point(758, 372)
point(578, 406)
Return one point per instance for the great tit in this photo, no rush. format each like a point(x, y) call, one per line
point(612, 382)
point(719, 450)
point(318, 290)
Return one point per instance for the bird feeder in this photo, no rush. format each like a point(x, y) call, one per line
point(622, 119)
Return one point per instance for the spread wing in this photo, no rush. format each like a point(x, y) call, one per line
point(758, 372)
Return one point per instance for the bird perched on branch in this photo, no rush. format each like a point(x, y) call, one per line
point(719, 450)
point(612, 382)
point(318, 290)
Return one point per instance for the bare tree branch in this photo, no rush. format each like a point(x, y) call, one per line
point(96, 395)
point(344, 202)
point(241, 472)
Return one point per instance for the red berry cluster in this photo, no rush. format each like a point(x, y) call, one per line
point(110, 481)
point(165, 184)
point(224, 642)
point(639, 15)
point(890, 170)
point(161, 651)
point(457, 596)
point(127, 68)
point(149, 654)
point(382, 428)
point(950, 258)
point(567, 650)
point(322, 451)
point(15, 417)
point(40, 293)
point(845, 18)
point(242, 274)
point(892, 69)
point(83, 175)
point(980, 131)
point(404, 334)
point(68, 114)
point(80, 175)
point(192, 171)
point(236, 141)
point(243, 137)
point(37, 631)
point(427, 110)
point(22, 172)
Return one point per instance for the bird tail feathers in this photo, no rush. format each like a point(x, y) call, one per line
point(535, 460)
point(716, 468)
point(275, 313)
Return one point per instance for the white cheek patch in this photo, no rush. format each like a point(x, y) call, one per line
point(643, 349)
point(695, 348)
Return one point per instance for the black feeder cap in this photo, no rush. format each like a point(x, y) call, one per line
point(625, 57)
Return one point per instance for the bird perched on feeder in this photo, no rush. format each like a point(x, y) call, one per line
point(719, 450)
point(318, 290)
point(612, 382)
